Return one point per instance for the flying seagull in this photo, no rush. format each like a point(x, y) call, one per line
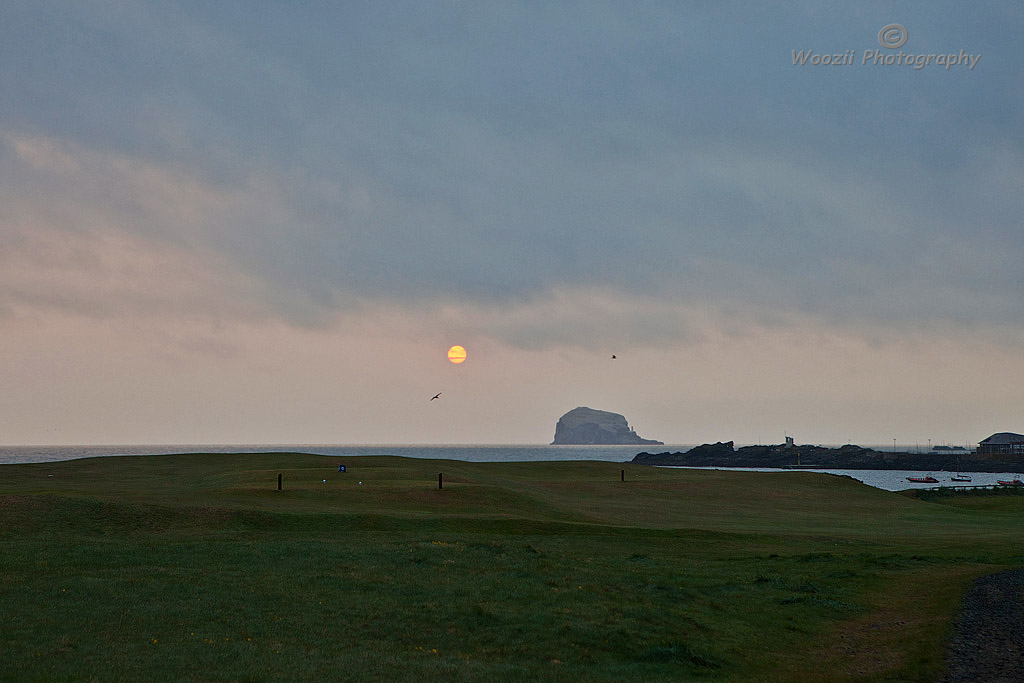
point(613, 356)
point(437, 395)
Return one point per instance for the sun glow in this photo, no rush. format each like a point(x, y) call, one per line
point(457, 354)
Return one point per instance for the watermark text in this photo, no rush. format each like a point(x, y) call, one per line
point(882, 58)
point(890, 38)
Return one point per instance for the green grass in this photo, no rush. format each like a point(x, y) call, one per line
point(194, 567)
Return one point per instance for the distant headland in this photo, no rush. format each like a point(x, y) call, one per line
point(849, 457)
point(588, 427)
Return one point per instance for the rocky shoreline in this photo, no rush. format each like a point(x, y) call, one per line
point(850, 457)
point(988, 636)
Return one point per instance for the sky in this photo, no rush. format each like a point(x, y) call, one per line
point(266, 222)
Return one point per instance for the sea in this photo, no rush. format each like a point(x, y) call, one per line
point(889, 480)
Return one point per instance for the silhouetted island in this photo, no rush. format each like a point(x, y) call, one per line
point(588, 427)
point(849, 457)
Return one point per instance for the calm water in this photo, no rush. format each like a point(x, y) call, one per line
point(890, 480)
point(893, 480)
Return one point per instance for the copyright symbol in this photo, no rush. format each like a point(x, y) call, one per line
point(892, 36)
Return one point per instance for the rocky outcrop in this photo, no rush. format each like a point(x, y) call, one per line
point(849, 457)
point(589, 427)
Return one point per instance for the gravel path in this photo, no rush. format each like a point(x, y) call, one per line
point(988, 638)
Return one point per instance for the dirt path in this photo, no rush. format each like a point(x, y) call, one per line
point(988, 638)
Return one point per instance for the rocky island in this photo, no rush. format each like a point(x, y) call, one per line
point(588, 427)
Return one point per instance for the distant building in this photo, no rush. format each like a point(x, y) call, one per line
point(1003, 443)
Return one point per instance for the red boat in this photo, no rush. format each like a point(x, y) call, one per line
point(1015, 482)
point(925, 480)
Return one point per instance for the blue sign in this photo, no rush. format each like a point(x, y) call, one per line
point(341, 468)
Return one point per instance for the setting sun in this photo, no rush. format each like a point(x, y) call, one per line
point(457, 354)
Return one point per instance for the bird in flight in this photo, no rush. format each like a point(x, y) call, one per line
point(437, 395)
point(613, 356)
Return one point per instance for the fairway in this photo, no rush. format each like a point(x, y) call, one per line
point(196, 567)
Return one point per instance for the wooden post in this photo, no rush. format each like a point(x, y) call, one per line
point(623, 475)
point(440, 483)
point(278, 482)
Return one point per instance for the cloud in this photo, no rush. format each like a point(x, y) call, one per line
point(550, 176)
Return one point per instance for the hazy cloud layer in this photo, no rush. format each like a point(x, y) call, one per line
point(320, 159)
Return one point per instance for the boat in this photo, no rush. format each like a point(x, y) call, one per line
point(1012, 482)
point(923, 480)
point(959, 476)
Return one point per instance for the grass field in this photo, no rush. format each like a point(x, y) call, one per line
point(195, 567)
